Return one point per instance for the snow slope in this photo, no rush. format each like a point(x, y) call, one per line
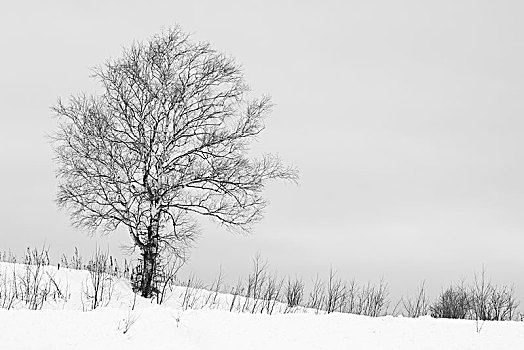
point(63, 325)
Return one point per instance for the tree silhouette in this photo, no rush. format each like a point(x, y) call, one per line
point(165, 142)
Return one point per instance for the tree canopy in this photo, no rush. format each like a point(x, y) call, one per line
point(167, 141)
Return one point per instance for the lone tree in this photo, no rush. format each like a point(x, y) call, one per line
point(165, 142)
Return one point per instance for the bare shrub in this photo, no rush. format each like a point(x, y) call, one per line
point(30, 285)
point(56, 290)
point(64, 262)
point(8, 257)
point(166, 276)
point(271, 294)
point(98, 290)
point(75, 262)
point(294, 293)
point(211, 299)
point(127, 322)
point(454, 302)
point(373, 299)
point(37, 257)
point(317, 295)
point(262, 290)
point(351, 298)
point(417, 306)
point(192, 293)
point(340, 296)
point(490, 302)
point(236, 292)
point(255, 283)
point(8, 290)
point(480, 301)
point(33, 287)
point(335, 293)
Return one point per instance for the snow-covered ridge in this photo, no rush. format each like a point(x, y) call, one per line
point(131, 322)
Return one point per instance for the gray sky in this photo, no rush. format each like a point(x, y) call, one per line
point(405, 119)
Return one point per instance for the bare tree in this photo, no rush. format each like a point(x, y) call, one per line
point(166, 141)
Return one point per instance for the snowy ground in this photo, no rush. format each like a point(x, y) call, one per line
point(63, 325)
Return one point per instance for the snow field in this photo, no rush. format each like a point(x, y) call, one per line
point(63, 325)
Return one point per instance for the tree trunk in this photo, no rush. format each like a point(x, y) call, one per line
point(149, 265)
point(150, 258)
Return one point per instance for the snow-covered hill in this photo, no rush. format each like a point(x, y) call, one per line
point(61, 323)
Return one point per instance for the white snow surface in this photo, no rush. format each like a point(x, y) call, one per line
point(63, 325)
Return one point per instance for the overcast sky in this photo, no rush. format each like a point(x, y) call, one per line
point(405, 119)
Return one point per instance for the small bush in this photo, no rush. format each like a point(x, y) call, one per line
point(30, 285)
point(294, 293)
point(454, 302)
point(490, 302)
